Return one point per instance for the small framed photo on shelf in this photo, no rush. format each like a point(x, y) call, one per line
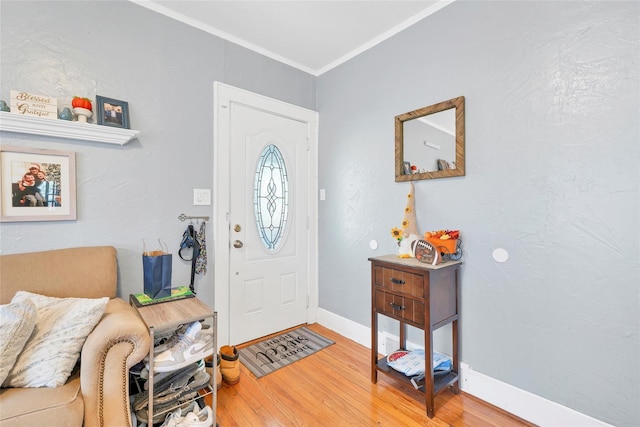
point(37, 185)
point(406, 168)
point(112, 112)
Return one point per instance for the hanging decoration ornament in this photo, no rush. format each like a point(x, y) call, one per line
point(409, 228)
point(410, 222)
point(201, 260)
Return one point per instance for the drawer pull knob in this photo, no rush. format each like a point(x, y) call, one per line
point(397, 281)
point(397, 306)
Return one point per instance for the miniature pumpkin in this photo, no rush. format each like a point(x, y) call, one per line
point(78, 102)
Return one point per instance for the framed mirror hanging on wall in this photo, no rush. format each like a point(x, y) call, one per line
point(430, 142)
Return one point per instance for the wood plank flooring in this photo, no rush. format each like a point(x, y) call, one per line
point(333, 388)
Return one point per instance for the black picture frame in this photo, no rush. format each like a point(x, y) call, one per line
point(112, 112)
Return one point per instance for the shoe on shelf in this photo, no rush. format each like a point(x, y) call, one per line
point(191, 347)
point(183, 401)
point(159, 376)
point(174, 417)
point(229, 364)
point(198, 381)
point(160, 412)
point(165, 340)
point(168, 383)
point(198, 418)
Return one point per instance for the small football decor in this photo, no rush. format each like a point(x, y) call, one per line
point(424, 251)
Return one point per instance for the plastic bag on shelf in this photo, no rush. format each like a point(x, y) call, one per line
point(413, 363)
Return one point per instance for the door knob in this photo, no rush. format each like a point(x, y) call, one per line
point(237, 244)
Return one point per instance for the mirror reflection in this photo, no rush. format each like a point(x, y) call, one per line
point(430, 142)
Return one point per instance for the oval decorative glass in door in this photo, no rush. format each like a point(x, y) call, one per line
point(271, 197)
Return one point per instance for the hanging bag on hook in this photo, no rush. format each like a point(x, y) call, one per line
point(156, 268)
point(188, 243)
point(190, 251)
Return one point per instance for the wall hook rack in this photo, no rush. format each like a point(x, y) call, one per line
point(184, 217)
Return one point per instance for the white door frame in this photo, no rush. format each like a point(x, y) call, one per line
point(223, 96)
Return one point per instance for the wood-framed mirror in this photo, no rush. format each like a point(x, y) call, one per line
point(430, 142)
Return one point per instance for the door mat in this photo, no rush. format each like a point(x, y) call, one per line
point(273, 353)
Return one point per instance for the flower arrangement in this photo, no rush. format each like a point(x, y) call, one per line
point(442, 234)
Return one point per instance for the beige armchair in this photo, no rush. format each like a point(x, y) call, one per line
point(96, 394)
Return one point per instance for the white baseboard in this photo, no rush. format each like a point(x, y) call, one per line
point(521, 403)
point(345, 327)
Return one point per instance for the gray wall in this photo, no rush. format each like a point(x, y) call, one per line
point(552, 109)
point(552, 166)
point(165, 70)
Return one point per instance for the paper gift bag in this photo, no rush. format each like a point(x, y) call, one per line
point(156, 266)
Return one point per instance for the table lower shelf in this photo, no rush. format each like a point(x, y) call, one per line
point(440, 382)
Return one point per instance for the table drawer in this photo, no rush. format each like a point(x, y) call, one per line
point(399, 281)
point(400, 307)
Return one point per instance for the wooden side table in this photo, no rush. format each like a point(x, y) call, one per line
point(169, 316)
point(423, 296)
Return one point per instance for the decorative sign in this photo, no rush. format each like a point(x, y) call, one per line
point(30, 104)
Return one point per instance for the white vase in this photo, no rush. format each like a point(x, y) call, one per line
point(83, 114)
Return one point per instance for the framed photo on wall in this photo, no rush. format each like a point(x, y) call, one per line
point(37, 185)
point(112, 112)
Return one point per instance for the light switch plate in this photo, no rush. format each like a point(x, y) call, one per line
point(201, 197)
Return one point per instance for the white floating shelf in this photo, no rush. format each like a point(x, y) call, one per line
point(65, 129)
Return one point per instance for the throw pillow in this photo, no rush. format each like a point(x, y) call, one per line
point(52, 351)
point(17, 321)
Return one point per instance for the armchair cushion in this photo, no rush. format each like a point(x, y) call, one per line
point(17, 321)
point(28, 407)
point(53, 349)
point(97, 393)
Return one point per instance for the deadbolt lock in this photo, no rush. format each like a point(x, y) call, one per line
point(237, 228)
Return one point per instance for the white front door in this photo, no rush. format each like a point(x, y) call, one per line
point(268, 245)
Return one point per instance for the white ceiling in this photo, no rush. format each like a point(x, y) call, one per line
point(313, 36)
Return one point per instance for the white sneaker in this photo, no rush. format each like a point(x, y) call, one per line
point(191, 347)
point(174, 418)
point(198, 418)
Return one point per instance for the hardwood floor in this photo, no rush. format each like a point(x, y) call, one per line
point(333, 388)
